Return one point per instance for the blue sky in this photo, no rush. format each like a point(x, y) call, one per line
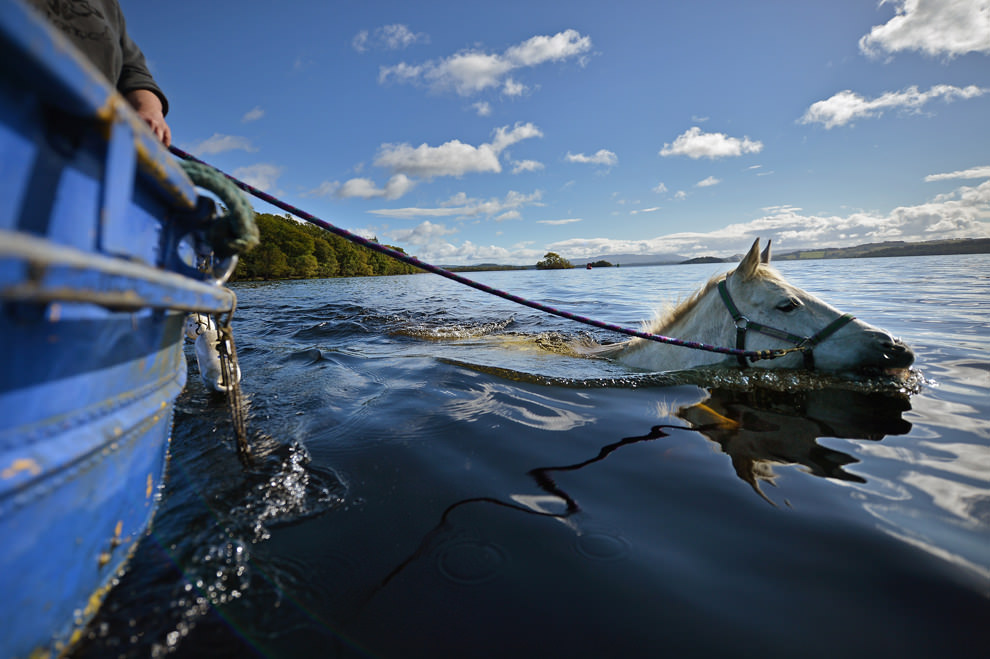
point(470, 132)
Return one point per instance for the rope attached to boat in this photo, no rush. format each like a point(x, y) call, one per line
point(235, 232)
point(752, 355)
point(230, 371)
point(230, 234)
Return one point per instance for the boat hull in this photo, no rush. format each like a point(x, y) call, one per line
point(94, 290)
point(81, 481)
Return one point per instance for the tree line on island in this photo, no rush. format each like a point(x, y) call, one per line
point(554, 261)
point(292, 250)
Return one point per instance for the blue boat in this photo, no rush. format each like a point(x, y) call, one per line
point(101, 253)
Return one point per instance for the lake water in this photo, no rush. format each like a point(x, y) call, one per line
point(435, 480)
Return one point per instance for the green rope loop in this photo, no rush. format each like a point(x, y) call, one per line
point(234, 232)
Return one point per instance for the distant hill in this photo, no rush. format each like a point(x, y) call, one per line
point(892, 248)
point(709, 259)
point(869, 250)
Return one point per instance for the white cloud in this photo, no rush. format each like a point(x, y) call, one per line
point(506, 137)
point(459, 199)
point(414, 212)
point(365, 188)
point(973, 172)
point(695, 144)
point(253, 115)
point(660, 188)
point(708, 182)
point(324, 189)
point(262, 176)
point(526, 166)
point(429, 246)
point(847, 106)
point(460, 205)
point(220, 143)
point(963, 213)
point(539, 49)
point(471, 71)
point(453, 158)
point(654, 209)
point(423, 234)
point(360, 41)
point(570, 220)
point(508, 215)
point(513, 88)
point(483, 108)
point(388, 37)
point(601, 157)
point(934, 27)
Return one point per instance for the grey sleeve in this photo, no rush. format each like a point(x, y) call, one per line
point(134, 73)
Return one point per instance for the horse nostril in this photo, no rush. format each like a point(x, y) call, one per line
point(893, 353)
point(899, 354)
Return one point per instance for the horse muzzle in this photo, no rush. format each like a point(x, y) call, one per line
point(889, 356)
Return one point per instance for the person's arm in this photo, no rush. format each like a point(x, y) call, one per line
point(149, 107)
point(138, 86)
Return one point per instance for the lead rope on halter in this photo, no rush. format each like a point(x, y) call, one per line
point(805, 344)
point(752, 355)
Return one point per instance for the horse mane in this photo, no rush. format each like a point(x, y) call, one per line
point(670, 315)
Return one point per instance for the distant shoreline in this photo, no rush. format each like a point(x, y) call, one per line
point(893, 248)
point(867, 250)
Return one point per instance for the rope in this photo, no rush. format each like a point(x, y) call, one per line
point(753, 355)
point(230, 372)
point(234, 232)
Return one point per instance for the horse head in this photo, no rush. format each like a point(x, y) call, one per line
point(753, 308)
point(770, 313)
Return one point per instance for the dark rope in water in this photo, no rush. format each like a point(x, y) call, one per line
point(753, 355)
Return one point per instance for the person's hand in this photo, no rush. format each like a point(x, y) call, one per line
point(149, 107)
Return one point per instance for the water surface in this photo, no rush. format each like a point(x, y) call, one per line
point(437, 479)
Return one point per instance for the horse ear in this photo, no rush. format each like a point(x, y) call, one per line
point(765, 256)
point(747, 267)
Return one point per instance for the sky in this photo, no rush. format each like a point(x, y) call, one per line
point(469, 132)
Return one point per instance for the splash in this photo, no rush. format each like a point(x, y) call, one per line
point(288, 489)
point(281, 489)
point(453, 331)
point(725, 378)
point(909, 383)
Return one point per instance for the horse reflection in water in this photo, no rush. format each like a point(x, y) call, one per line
point(760, 428)
point(756, 427)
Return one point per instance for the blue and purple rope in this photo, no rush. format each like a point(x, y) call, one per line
point(752, 355)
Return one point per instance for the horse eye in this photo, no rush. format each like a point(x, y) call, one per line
point(788, 305)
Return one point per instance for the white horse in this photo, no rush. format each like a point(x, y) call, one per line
point(754, 308)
